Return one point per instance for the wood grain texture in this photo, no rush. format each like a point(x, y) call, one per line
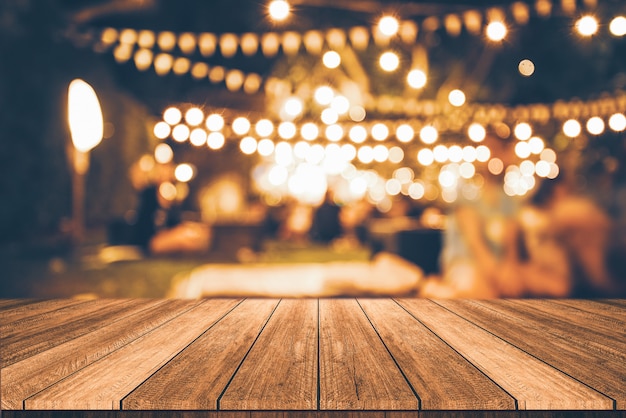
point(103, 384)
point(27, 377)
point(197, 376)
point(16, 309)
point(565, 345)
point(613, 310)
point(280, 372)
point(420, 354)
point(35, 334)
point(356, 371)
point(533, 383)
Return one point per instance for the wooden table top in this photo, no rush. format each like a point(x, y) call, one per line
point(313, 357)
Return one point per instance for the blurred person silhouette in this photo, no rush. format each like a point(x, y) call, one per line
point(158, 227)
point(480, 253)
point(326, 223)
point(581, 231)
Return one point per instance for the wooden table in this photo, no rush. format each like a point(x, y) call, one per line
point(313, 357)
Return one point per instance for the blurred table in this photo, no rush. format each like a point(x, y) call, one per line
point(313, 357)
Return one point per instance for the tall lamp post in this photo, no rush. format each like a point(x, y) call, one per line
point(86, 129)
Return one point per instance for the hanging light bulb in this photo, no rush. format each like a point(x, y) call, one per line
point(279, 10)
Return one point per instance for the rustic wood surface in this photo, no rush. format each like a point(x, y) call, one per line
point(373, 357)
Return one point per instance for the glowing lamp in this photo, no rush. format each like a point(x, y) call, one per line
point(85, 116)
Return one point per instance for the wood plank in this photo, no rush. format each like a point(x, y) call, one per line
point(356, 371)
point(420, 354)
point(30, 307)
point(604, 308)
point(533, 383)
point(35, 334)
point(612, 349)
point(25, 378)
point(280, 372)
point(6, 304)
point(581, 314)
point(566, 346)
point(198, 376)
point(103, 384)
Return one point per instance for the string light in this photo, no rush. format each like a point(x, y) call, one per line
point(388, 25)
point(331, 59)
point(279, 10)
point(617, 26)
point(587, 25)
point(389, 61)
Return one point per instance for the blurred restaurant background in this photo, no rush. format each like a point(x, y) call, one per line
point(247, 117)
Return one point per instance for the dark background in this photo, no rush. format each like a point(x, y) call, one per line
point(40, 53)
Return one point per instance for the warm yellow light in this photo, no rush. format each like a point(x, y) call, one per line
point(252, 83)
point(416, 79)
point(572, 128)
point(324, 95)
point(405, 133)
point(388, 25)
point(215, 140)
point(340, 104)
point(128, 36)
point(425, 157)
point(309, 131)
point(264, 127)
point(265, 147)
point(163, 63)
point(207, 43)
point(595, 125)
point(429, 134)
point(123, 52)
point(241, 125)
point(172, 115)
point(334, 132)
point(293, 107)
point(283, 154)
point(496, 31)
point(194, 116)
point(163, 154)
point(389, 61)
point(441, 153)
point(200, 70)
point(278, 175)
point(522, 149)
point(331, 59)
point(166, 41)
point(197, 137)
point(523, 131)
point(358, 134)
point(456, 98)
point(536, 145)
point(618, 26)
point(396, 155)
point(162, 130)
point(476, 132)
point(617, 122)
point(455, 153)
point(143, 59)
point(380, 132)
point(526, 67)
point(167, 190)
point(365, 154)
point(416, 190)
point(393, 187)
point(215, 122)
point(180, 133)
point(587, 25)
point(184, 172)
point(495, 166)
point(548, 155)
point(286, 130)
point(84, 115)
point(146, 39)
point(234, 80)
point(357, 113)
point(109, 36)
point(228, 44)
point(329, 116)
point(247, 145)
point(279, 10)
point(542, 168)
point(187, 42)
point(483, 154)
point(348, 152)
point(181, 66)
